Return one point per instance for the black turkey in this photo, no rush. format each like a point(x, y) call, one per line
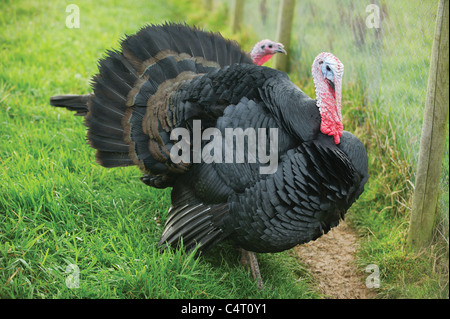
point(172, 76)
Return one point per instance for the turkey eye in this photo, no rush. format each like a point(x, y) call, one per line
point(328, 68)
point(270, 46)
point(320, 62)
point(262, 47)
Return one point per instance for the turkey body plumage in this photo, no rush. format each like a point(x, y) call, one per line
point(169, 76)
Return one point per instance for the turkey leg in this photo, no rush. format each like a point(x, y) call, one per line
point(249, 258)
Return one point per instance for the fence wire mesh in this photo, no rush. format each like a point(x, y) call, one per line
point(390, 59)
point(385, 47)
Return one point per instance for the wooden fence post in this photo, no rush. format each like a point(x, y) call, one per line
point(432, 141)
point(237, 15)
point(284, 28)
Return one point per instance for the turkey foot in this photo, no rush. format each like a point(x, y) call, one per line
point(249, 258)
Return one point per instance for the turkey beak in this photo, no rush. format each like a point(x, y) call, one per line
point(331, 83)
point(280, 49)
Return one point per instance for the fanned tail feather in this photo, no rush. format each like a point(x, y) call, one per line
point(72, 102)
point(127, 81)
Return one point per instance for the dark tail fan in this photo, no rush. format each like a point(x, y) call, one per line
point(72, 102)
point(156, 55)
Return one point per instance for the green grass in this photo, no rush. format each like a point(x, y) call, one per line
point(59, 208)
point(381, 217)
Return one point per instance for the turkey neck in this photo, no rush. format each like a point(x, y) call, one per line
point(329, 104)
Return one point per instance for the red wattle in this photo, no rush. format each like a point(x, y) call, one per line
point(329, 127)
point(263, 59)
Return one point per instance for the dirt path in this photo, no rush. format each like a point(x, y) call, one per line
point(331, 260)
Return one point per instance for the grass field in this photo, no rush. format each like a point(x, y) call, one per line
point(59, 209)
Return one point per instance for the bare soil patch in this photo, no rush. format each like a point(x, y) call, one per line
point(331, 260)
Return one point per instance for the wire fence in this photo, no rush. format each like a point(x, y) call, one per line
point(385, 47)
point(389, 56)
